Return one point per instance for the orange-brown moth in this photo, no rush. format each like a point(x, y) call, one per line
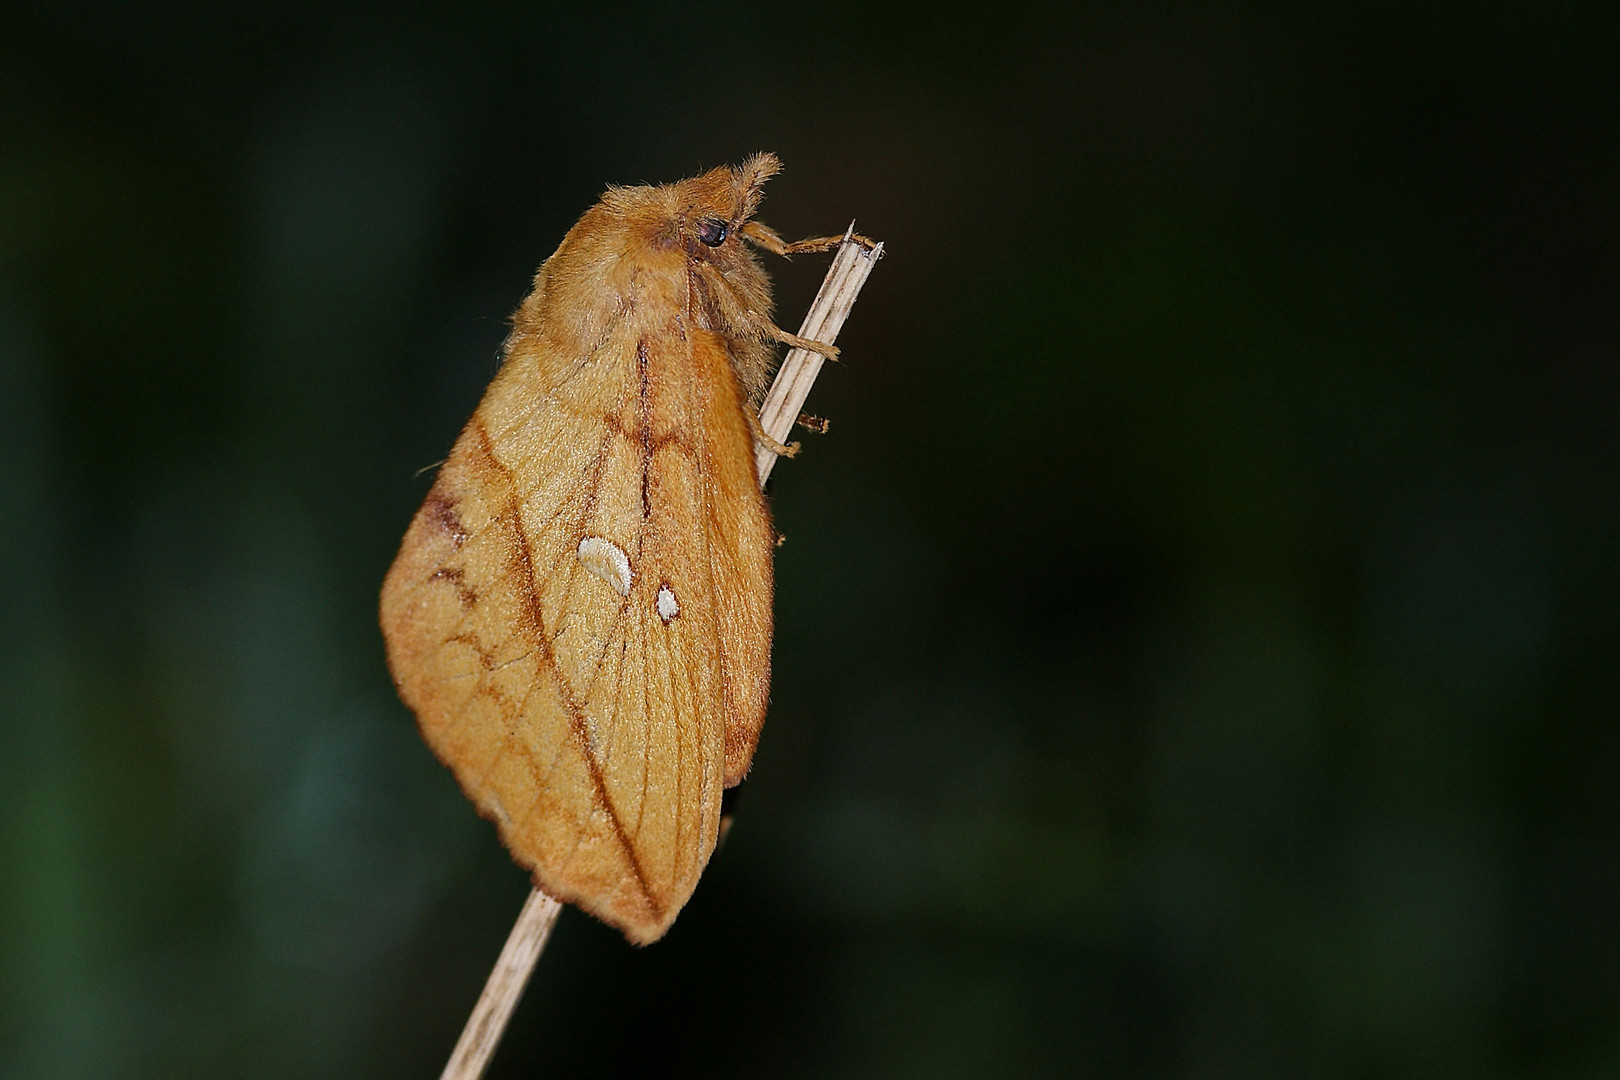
point(580, 613)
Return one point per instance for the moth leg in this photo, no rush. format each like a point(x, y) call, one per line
point(769, 239)
point(763, 326)
point(827, 243)
point(760, 436)
point(807, 344)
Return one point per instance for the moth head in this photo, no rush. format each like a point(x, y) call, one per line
point(713, 208)
point(703, 216)
point(689, 232)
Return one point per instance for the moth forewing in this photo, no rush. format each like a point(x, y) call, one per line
point(580, 613)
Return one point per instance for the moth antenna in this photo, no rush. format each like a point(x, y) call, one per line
point(750, 179)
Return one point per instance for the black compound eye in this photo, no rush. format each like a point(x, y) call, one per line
point(712, 231)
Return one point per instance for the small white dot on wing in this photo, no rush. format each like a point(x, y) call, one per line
point(668, 606)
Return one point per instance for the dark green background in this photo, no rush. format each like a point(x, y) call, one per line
point(1197, 650)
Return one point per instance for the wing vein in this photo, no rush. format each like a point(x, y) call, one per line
point(534, 623)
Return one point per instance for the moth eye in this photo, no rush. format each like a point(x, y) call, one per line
point(712, 232)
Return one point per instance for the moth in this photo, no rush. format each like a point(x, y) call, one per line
point(580, 613)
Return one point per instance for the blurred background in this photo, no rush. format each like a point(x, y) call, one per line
point(1197, 639)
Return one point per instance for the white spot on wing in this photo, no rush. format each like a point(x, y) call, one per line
point(607, 561)
point(668, 606)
